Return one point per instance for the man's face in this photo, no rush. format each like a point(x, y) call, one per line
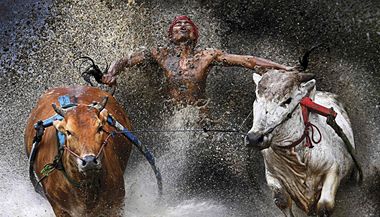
point(183, 31)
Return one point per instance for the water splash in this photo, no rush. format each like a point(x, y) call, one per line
point(17, 193)
point(142, 198)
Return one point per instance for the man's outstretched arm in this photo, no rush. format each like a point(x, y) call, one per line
point(130, 60)
point(247, 61)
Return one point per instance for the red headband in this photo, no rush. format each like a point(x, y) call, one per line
point(186, 18)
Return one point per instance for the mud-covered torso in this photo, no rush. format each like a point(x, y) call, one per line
point(185, 76)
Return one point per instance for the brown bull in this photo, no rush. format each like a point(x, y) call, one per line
point(90, 181)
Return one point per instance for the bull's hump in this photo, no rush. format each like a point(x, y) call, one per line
point(80, 92)
point(73, 90)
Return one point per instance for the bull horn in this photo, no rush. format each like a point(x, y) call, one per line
point(59, 110)
point(303, 77)
point(100, 106)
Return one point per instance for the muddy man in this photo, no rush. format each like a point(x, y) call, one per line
point(185, 67)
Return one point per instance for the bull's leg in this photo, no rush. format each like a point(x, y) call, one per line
point(58, 211)
point(326, 202)
point(283, 201)
point(280, 197)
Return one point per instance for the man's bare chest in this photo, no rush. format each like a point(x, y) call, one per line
point(185, 68)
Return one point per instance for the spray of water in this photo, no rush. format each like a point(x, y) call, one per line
point(16, 194)
point(142, 199)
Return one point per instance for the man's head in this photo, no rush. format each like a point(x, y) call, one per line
point(182, 29)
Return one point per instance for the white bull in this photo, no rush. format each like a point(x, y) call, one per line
point(308, 176)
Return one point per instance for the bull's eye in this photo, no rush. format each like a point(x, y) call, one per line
point(100, 129)
point(286, 102)
point(68, 133)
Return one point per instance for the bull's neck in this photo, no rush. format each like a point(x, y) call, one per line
point(91, 189)
point(88, 185)
point(291, 131)
point(285, 166)
point(289, 163)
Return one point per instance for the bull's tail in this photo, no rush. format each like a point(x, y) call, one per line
point(93, 71)
point(304, 61)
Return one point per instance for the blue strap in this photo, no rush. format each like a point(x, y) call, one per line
point(61, 140)
point(64, 102)
point(142, 148)
point(49, 122)
point(111, 121)
point(132, 138)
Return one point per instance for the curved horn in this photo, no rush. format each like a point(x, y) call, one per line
point(100, 106)
point(59, 110)
point(303, 77)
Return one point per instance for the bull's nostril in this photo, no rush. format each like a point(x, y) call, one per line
point(261, 139)
point(255, 138)
point(89, 162)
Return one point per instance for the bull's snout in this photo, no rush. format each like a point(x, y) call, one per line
point(253, 139)
point(258, 140)
point(89, 162)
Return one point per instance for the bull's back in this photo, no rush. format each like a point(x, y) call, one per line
point(334, 148)
point(83, 94)
point(330, 100)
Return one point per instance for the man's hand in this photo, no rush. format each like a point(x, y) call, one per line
point(290, 68)
point(109, 79)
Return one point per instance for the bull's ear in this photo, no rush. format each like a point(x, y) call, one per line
point(256, 78)
point(306, 87)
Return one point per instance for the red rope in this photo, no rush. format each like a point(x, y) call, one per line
point(112, 134)
point(101, 148)
point(308, 105)
point(309, 140)
point(103, 145)
point(72, 152)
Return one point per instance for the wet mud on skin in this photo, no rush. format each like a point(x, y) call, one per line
point(204, 175)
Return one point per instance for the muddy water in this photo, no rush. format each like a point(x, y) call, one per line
point(204, 175)
point(142, 200)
